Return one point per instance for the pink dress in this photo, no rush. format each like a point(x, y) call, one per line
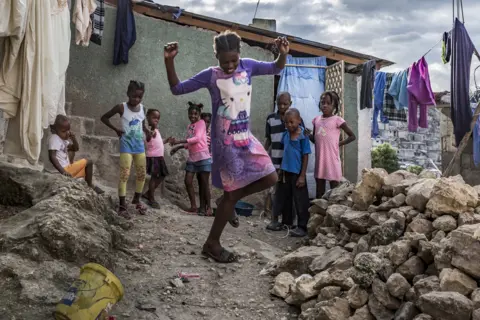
point(327, 151)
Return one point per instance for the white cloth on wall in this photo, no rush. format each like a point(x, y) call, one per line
point(32, 78)
point(81, 18)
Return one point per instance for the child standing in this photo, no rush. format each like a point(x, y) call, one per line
point(62, 145)
point(199, 159)
point(156, 166)
point(274, 130)
point(241, 166)
point(132, 146)
point(292, 188)
point(326, 137)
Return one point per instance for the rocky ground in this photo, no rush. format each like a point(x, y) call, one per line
point(396, 246)
point(50, 226)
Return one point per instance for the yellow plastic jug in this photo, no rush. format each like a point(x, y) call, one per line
point(91, 296)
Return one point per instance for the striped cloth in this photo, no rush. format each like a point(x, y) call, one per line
point(274, 131)
point(98, 19)
point(390, 111)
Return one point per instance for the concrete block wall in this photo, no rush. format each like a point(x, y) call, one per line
point(414, 148)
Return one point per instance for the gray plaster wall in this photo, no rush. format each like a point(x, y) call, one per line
point(351, 117)
point(94, 84)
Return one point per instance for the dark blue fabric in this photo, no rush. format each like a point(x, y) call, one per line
point(293, 152)
point(461, 60)
point(378, 95)
point(125, 32)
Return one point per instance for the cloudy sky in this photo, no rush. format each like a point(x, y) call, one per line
point(400, 31)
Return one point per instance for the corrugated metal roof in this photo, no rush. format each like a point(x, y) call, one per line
point(266, 33)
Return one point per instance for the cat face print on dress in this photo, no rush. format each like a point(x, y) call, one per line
point(236, 94)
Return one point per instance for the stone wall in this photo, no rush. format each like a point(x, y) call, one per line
point(414, 148)
point(94, 84)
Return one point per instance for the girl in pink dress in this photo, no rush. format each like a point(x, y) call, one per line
point(326, 137)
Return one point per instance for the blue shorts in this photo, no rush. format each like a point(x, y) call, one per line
point(199, 166)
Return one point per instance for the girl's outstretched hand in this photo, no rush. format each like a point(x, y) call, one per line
point(282, 44)
point(170, 50)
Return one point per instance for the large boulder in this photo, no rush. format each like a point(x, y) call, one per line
point(378, 310)
point(366, 190)
point(362, 314)
point(329, 258)
point(399, 252)
point(334, 215)
point(419, 193)
point(426, 285)
point(314, 222)
point(281, 287)
point(356, 221)
point(395, 178)
point(464, 250)
point(452, 196)
point(386, 233)
point(411, 268)
point(295, 263)
point(395, 202)
point(380, 291)
point(65, 220)
point(456, 281)
point(397, 285)
point(445, 223)
point(302, 290)
point(446, 305)
point(357, 297)
point(340, 194)
point(339, 278)
point(407, 311)
point(422, 226)
point(335, 309)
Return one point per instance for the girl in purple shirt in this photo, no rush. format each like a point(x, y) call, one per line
point(241, 166)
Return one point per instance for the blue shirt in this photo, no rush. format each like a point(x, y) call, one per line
point(293, 152)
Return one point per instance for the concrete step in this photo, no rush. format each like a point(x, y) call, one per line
point(68, 108)
point(99, 145)
point(82, 125)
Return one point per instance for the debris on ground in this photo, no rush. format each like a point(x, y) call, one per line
point(395, 246)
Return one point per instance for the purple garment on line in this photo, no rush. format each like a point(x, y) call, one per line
point(420, 95)
point(239, 159)
point(460, 101)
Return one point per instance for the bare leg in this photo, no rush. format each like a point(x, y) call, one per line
point(204, 178)
point(152, 186)
point(334, 184)
point(226, 207)
point(320, 188)
point(190, 191)
point(200, 193)
point(89, 173)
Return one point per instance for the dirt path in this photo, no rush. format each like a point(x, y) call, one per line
point(167, 241)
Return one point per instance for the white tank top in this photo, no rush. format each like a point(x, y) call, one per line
point(132, 125)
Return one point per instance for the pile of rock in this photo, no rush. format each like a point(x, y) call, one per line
point(396, 246)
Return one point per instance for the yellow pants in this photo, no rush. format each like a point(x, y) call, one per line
point(140, 163)
point(77, 169)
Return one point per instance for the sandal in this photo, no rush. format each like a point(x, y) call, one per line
point(123, 212)
point(154, 204)
point(141, 209)
point(234, 222)
point(225, 256)
point(275, 226)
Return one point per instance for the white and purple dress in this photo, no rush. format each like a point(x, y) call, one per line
point(239, 159)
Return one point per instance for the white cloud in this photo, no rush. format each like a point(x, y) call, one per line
point(401, 31)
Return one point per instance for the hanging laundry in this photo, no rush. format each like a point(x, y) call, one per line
point(125, 32)
point(378, 95)
point(446, 47)
point(390, 111)
point(420, 95)
point(463, 49)
point(32, 73)
point(398, 89)
point(474, 100)
point(368, 74)
point(81, 18)
point(98, 20)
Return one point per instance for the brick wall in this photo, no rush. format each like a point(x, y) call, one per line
point(414, 148)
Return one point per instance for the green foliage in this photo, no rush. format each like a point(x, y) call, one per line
point(415, 169)
point(385, 156)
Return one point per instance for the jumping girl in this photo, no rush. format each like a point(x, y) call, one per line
point(241, 166)
point(326, 137)
point(132, 146)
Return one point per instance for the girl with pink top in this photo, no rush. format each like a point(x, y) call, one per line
point(156, 166)
point(199, 159)
point(326, 137)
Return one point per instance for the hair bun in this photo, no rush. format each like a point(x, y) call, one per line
point(190, 103)
point(200, 106)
